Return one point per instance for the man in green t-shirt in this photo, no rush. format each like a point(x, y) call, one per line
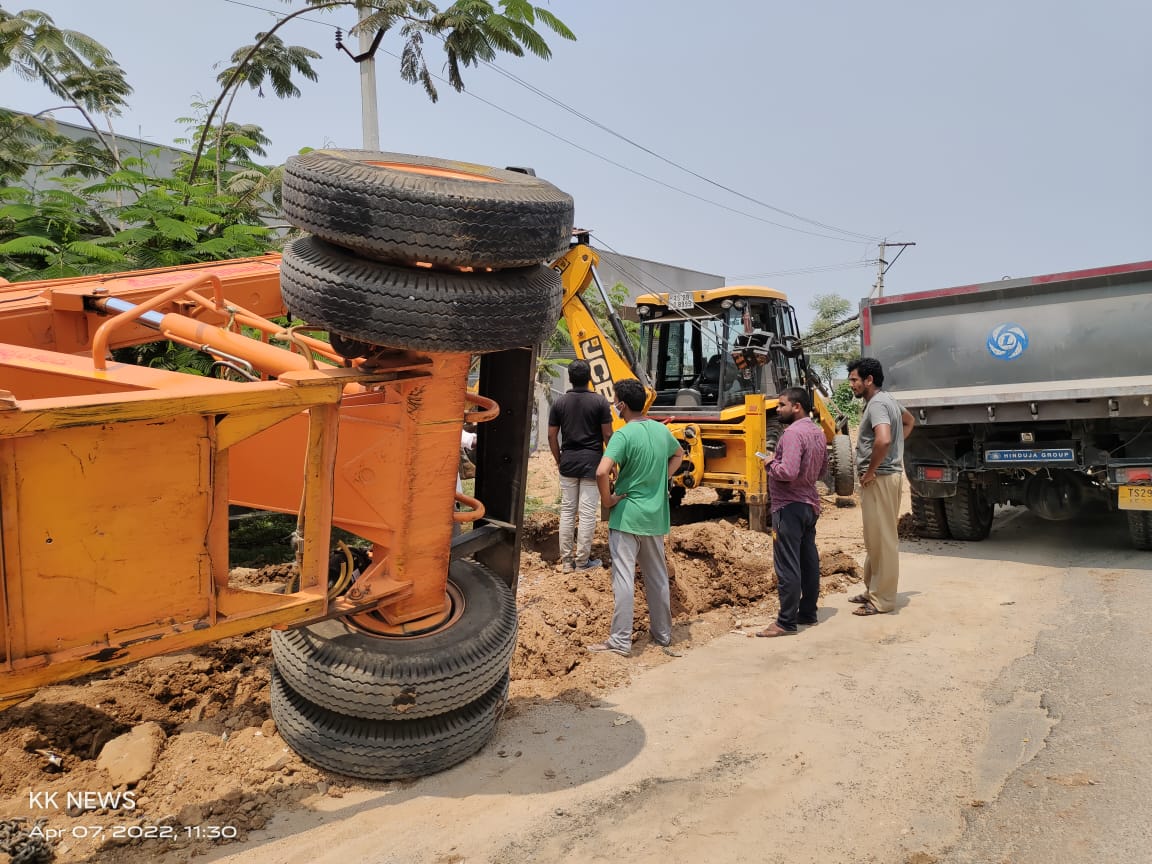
point(645, 455)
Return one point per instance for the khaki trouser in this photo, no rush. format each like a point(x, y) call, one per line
point(579, 506)
point(880, 510)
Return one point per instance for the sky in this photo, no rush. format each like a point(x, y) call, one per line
point(1005, 138)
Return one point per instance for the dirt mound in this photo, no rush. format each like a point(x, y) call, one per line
point(269, 575)
point(714, 565)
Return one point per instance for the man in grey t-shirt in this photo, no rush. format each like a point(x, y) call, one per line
point(880, 464)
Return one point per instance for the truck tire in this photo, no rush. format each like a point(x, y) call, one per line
point(929, 517)
point(384, 749)
point(416, 308)
point(968, 513)
point(1140, 529)
point(396, 207)
point(345, 670)
point(843, 466)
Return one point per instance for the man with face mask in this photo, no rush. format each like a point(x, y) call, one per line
point(801, 458)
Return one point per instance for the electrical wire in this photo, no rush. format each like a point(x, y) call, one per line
point(850, 236)
point(560, 104)
point(276, 14)
point(804, 271)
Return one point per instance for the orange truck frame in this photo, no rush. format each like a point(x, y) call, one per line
point(115, 480)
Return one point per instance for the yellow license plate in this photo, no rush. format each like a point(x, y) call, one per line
point(1134, 497)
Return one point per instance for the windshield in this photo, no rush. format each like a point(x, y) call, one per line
point(710, 357)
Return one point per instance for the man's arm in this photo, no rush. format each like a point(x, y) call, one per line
point(785, 465)
point(604, 483)
point(554, 442)
point(907, 421)
point(674, 462)
point(881, 444)
point(606, 432)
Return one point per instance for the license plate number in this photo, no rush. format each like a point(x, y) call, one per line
point(683, 300)
point(1134, 497)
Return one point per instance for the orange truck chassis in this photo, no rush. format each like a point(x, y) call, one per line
point(115, 480)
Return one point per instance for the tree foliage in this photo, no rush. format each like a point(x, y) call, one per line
point(134, 217)
point(471, 31)
point(71, 65)
point(830, 343)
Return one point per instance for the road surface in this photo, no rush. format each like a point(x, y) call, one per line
point(1000, 715)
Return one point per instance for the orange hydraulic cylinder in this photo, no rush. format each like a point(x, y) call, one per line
point(266, 358)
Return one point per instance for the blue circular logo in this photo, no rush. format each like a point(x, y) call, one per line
point(1007, 342)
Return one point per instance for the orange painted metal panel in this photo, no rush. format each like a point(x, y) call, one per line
point(111, 523)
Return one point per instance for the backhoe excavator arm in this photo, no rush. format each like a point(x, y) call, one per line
point(610, 362)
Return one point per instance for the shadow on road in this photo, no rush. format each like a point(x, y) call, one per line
point(1097, 539)
point(557, 745)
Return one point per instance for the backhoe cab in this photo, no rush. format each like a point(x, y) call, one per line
point(713, 362)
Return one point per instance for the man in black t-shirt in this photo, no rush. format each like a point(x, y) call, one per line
point(583, 419)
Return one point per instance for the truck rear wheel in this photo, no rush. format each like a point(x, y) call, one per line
point(843, 466)
point(417, 308)
point(384, 749)
point(1140, 529)
point(930, 518)
point(402, 208)
point(968, 513)
point(337, 666)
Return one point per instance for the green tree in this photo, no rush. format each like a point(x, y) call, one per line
point(829, 343)
point(107, 213)
point(71, 65)
point(471, 32)
point(268, 60)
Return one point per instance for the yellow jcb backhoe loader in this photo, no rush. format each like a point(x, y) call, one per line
point(713, 363)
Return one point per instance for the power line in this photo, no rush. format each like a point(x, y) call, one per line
point(560, 104)
point(851, 236)
point(803, 271)
point(276, 14)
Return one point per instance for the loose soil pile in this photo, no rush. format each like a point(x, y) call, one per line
point(221, 764)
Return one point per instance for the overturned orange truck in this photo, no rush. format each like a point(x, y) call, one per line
point(116, 480)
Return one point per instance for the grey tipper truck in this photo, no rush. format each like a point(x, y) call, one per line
point(1034, 392)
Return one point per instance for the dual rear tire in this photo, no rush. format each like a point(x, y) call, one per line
point(396, 708)
point(420, 254)
point(479, 235)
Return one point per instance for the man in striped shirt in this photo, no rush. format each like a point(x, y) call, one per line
point(801, 458)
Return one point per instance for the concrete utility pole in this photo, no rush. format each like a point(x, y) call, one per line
point(369, 116)
point(882, 265)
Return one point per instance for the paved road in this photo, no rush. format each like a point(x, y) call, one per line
point(1086, 795)
point(1001, 715)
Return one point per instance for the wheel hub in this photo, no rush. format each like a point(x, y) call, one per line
point(374, 624)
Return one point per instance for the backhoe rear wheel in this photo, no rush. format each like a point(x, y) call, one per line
point(843, 466)
point(417, 308)
point(403, 208)
point(384, 749)
point(341, 668)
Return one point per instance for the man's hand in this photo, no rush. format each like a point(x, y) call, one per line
point(614, 499)
point(868, 477)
